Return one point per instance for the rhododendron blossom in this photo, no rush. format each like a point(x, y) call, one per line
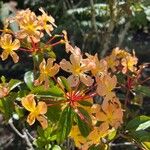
point(9, 47)
point(47, 70)
point(36, 111)
point(78, 70)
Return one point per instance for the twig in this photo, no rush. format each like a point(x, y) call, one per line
point(93, 19)
point(121, 144)
point(113, 18)
point(28, 141)
point(30, 136)
point(10, 122)
point(23, 136)
point(123, 33)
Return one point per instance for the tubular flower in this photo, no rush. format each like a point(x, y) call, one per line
point(9, 47)
point(29, 26)
point(47, 70)
point(77, 68)
point(109, 114)
point(105, 85)
point(36, 111)
point(47, 22)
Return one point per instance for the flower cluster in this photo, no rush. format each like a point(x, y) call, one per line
point(86, 120)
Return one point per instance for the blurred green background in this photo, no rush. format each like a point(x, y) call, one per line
point(96, 26)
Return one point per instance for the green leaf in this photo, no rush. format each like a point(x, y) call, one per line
point(53, 113)
point(143, 90)
point(29, 79)
point(51, 54)
point(3, 79)
point(7, 105)
point(146, 145)
point(85, 103)
point(65, 124)
point(112, 134)
point(84, 121)
point(37, 58)
point(13, 83)
point(53, 91)
point(56, 147)
point(139, 123)
point(65, 83)
point(141, 136)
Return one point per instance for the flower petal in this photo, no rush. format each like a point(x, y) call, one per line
point(86, 79)
point(28, 102)
point(66, 65)
point(4, 55)
point(31, 118)
point(14, 56)
point(73, 80)
point(16, 44)
point(41, 107)
point(43, 121)
point(54, 70)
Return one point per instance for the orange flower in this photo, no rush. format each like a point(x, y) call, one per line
point(129, 63)
point(77, 137)
point(105, 86)
point(44, 21)
point(77, 68)
point(9, 47)
point(98, 67)
point(36, 112)
point(98, 133)
point(46, 71)
point(110, 114)
point(29, 26)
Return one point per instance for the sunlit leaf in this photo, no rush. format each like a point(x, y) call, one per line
point(139, 123)
point(13, 83)
point(53, 91)
point(29, 79)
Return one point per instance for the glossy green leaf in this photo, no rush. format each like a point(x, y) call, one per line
point(65, 124)
point(52, 91)
point(65, 83)
point(143, 90)
point(53, 113)
point(56, 147)
point(84, 121)
point(112, 134)
point(13, 83)
point(146, 145)
point(141, 136)
point(29, 79)
point(139, 123)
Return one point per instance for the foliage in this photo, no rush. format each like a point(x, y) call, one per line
point(63, 107)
